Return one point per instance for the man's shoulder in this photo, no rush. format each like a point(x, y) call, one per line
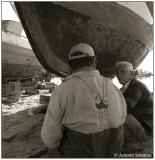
point(136, 84)
point(69, 80)
point(64, 88)
point(141, 83)
point(68, 83)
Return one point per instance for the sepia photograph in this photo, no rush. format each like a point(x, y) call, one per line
point(77, 79)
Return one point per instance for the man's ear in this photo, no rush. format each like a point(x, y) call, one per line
point(135, 73)
point(132, 73)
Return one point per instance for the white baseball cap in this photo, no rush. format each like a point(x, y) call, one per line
point(128, 65)
point(85, 49)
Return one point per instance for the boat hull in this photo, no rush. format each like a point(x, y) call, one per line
point(115, 32)
point(18, 63)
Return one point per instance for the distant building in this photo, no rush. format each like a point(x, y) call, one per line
point(140, 74)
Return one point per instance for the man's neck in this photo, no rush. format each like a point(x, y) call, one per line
point(128, 81)
point(125, 86)
point(87, 68)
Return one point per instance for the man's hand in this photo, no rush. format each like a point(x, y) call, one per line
point(53, 153)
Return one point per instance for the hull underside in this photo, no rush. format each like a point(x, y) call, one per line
point(115, 32)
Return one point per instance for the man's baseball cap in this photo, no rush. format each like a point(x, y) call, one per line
point(81, 50)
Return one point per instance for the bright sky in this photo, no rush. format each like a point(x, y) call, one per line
point(146, 65)
point(8, 13)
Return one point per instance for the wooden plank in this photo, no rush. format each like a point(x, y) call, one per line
point(38, 153)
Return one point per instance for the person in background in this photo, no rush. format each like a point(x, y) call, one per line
point(139, 122)
point(45, 75)
point(86, 113)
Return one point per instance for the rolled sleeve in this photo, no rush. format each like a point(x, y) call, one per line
point(51, 132)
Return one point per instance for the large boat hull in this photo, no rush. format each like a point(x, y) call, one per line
point(115, 32)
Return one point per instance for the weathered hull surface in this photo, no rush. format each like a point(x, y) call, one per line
point(18, 62)
point(115, 32)
point(18, 59)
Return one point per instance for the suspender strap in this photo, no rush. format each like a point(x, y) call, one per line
point(102, 102)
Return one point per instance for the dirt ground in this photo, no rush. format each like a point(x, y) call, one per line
point(20, 129)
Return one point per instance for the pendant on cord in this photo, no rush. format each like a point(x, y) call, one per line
point(101, 105)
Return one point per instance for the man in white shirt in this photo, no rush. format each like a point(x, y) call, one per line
point(86, 113)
